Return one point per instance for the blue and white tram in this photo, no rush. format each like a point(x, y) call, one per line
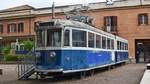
point(69, 46)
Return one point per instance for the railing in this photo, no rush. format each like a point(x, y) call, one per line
point(26, 66)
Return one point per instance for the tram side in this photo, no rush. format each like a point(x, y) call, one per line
point(90, 50)
point(73, 49)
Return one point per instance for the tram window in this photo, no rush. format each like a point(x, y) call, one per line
point(78, 38)
point(112, 44)
point(54, 37)
point(118, 45)
point(41, 38)
point(66, 38)
point(108, 43)
point(91, 40)
point(126, 46)
point(104, 42)
point(122, 46)
point(98, 41)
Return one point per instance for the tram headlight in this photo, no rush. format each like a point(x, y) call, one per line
point(37, 54)
point(52, 55)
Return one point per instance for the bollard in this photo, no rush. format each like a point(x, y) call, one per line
point(1, 72)
point(148, 66)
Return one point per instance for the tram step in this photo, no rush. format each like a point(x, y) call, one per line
point(27, 74)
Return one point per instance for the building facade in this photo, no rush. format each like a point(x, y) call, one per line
point(123, 18)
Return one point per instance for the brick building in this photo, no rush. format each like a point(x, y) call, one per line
point(126, 18)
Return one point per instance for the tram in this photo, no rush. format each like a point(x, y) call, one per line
point(66, 46)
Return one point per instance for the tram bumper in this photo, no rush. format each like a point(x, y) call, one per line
point(48, 70)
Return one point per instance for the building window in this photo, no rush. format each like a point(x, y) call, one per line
point(1, 28)
point(20, 27)
point(143, 19)
point(12, 28)
point(110, 23)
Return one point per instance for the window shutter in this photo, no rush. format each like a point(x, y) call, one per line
point(19, 27)
point(146, 19)
point(8, 28)
point(22, 27)
point(114, 21)
point(2, 29)
point(105, 23)
point(139, 19)
point(15, 27)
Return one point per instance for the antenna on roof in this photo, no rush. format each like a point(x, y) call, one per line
point(53, 10)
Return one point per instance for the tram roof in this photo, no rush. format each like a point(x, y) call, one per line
point(76, 24)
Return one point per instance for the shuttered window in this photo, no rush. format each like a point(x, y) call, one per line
point(20, 27)
point(11, 27)
point(143, 19)
point(110, 23)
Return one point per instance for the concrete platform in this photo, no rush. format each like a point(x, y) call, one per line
point(126, 74)
point(146, 77)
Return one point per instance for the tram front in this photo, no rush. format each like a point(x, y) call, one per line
point(48, 47)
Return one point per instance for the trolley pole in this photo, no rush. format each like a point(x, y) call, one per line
point(53, 10)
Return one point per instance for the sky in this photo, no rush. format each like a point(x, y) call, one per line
point(4, 4)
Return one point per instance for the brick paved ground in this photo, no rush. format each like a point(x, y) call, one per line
point(126, 74)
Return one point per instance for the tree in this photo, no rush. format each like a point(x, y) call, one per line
point(28, 45)
point(6, 50)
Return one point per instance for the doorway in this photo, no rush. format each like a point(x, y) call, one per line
point(142, 50)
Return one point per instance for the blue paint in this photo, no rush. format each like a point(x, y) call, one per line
point(78, 59)
point(120, 56)
point(22, 52)
point(48, 63)
point(98, 58)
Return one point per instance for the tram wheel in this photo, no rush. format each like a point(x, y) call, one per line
point(82, 74)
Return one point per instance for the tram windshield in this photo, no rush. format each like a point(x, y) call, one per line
point(54, 37)
point(49, 38)
point(41, 38)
